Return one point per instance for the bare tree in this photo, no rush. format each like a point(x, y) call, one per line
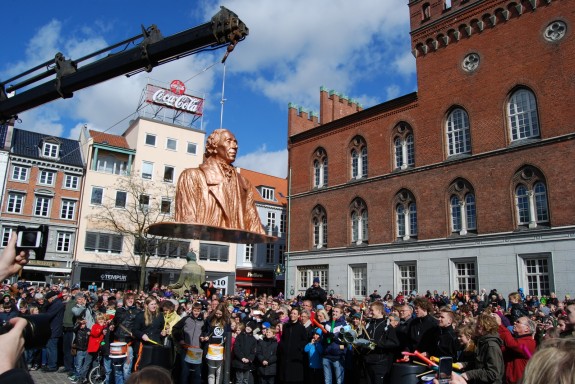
point(138, 204)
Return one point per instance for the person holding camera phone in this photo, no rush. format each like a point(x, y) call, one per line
point(13, 341)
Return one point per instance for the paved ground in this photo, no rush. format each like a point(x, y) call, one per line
point(49, 378)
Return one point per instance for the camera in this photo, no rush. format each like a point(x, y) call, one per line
point(32, 239)
point(37, 331)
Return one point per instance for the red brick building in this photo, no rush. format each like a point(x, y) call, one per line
point(464, 184)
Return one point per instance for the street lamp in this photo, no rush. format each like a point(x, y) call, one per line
point(279, 269)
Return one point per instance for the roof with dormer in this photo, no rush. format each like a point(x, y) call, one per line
point(29, 144)
point(259, 180)
point(109, 139)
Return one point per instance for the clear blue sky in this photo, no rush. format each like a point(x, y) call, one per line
point(360, 49)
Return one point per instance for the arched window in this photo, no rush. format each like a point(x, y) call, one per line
point(405, 215)
point(319, 222)
point(531, 203)
point(320, 168)
point(359, 222)
point(425, 12)
point(458, 135)
point(358, 155)
point(404, 153)
point(522, 115)
point(462, 204)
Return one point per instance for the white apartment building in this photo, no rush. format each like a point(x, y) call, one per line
point(149, 154)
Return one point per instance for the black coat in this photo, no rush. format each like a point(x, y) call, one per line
point(317, 295)
point(55, 310)
point(422, 333)
point(267, 351)
point(446, 344)
point(290, 352)
point(244, 347)
point(153, 330)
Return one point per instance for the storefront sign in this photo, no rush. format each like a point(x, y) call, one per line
point(254, 277)
point(221, 283)
point(113, 277)
point(43, 263)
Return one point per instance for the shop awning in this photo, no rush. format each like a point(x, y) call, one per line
point(47, 269)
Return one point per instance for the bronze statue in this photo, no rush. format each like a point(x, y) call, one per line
point(215, 202)
point(191, 277)
point(215, 194)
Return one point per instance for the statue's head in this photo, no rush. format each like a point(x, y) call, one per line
point(191, 256)
point(222, 143)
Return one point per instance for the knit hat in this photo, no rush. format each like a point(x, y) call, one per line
point(318, 331)
point(266, 325)
point(316, 279)
point(50, 295)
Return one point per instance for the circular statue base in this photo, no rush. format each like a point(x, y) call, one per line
point(208, 233)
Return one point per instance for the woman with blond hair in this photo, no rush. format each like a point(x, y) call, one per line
point(149, 330)
point(488, 366)
point(554, 362)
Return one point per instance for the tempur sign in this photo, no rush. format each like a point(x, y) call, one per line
point(111, 277)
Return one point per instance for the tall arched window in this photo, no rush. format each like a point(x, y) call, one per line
point(458, 134)
point(404, 153)
point(320, 168)
point(359, 222)
point(319, 222)
point(462, 204)
point(358, 156)
point(531, 203)
point(405, 215)
point(522, 115)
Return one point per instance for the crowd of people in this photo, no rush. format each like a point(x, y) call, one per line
point(310, 338)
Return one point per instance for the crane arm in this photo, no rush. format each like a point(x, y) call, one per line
point(224, 29)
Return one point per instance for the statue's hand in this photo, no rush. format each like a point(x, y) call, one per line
point(175, 286)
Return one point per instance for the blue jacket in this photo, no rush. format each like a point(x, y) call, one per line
point(314, 352)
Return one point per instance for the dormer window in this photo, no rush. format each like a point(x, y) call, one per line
point(50, 150)
point(268, 193)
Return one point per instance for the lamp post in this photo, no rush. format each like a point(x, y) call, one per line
point(280, 270)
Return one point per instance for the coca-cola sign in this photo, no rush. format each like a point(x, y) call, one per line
point(167, 98)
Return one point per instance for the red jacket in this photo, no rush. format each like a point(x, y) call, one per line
point(96, 337)
point(516, 353)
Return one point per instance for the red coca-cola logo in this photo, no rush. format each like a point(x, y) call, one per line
point(177, 87)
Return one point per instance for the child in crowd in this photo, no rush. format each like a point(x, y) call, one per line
point(266, 354)
point(314, 351)
point(82, 334)
point(244, 354)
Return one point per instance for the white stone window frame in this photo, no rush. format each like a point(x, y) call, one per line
point(50, 150)
point(150, 140)
point(71, 182)
point(20, 173)
point(456, 276)
point(357, 281)
point(15, 200)
point(47, 177)
point(64, 241)
point(523, 116)
point(68, 208)
point(171, 142)
point(42, 205)
point(93, 193)
point(408, 281)
point(531, 273)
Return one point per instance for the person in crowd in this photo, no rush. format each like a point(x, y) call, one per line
point(570, 321)
point(423, 327)
point(466, 350)
point(290, 350)
point(517, 347)
point(123, 327)
point(151, 375)
point(55, 310)
point(314, 351)
point(95, 338)
point(266, 355)
point(554, 362)
point(244, 354)
point(517, 308)
point(214, 332)
point(186, 334)
point(378, 361)
point(149, 330)
point(446, 343)
point(81, 338)
point(405, 312)
point(374, 296)
point(68, 331)
point(488, 366)
point(334, 348)
point(315, 293)
point(271, 315)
